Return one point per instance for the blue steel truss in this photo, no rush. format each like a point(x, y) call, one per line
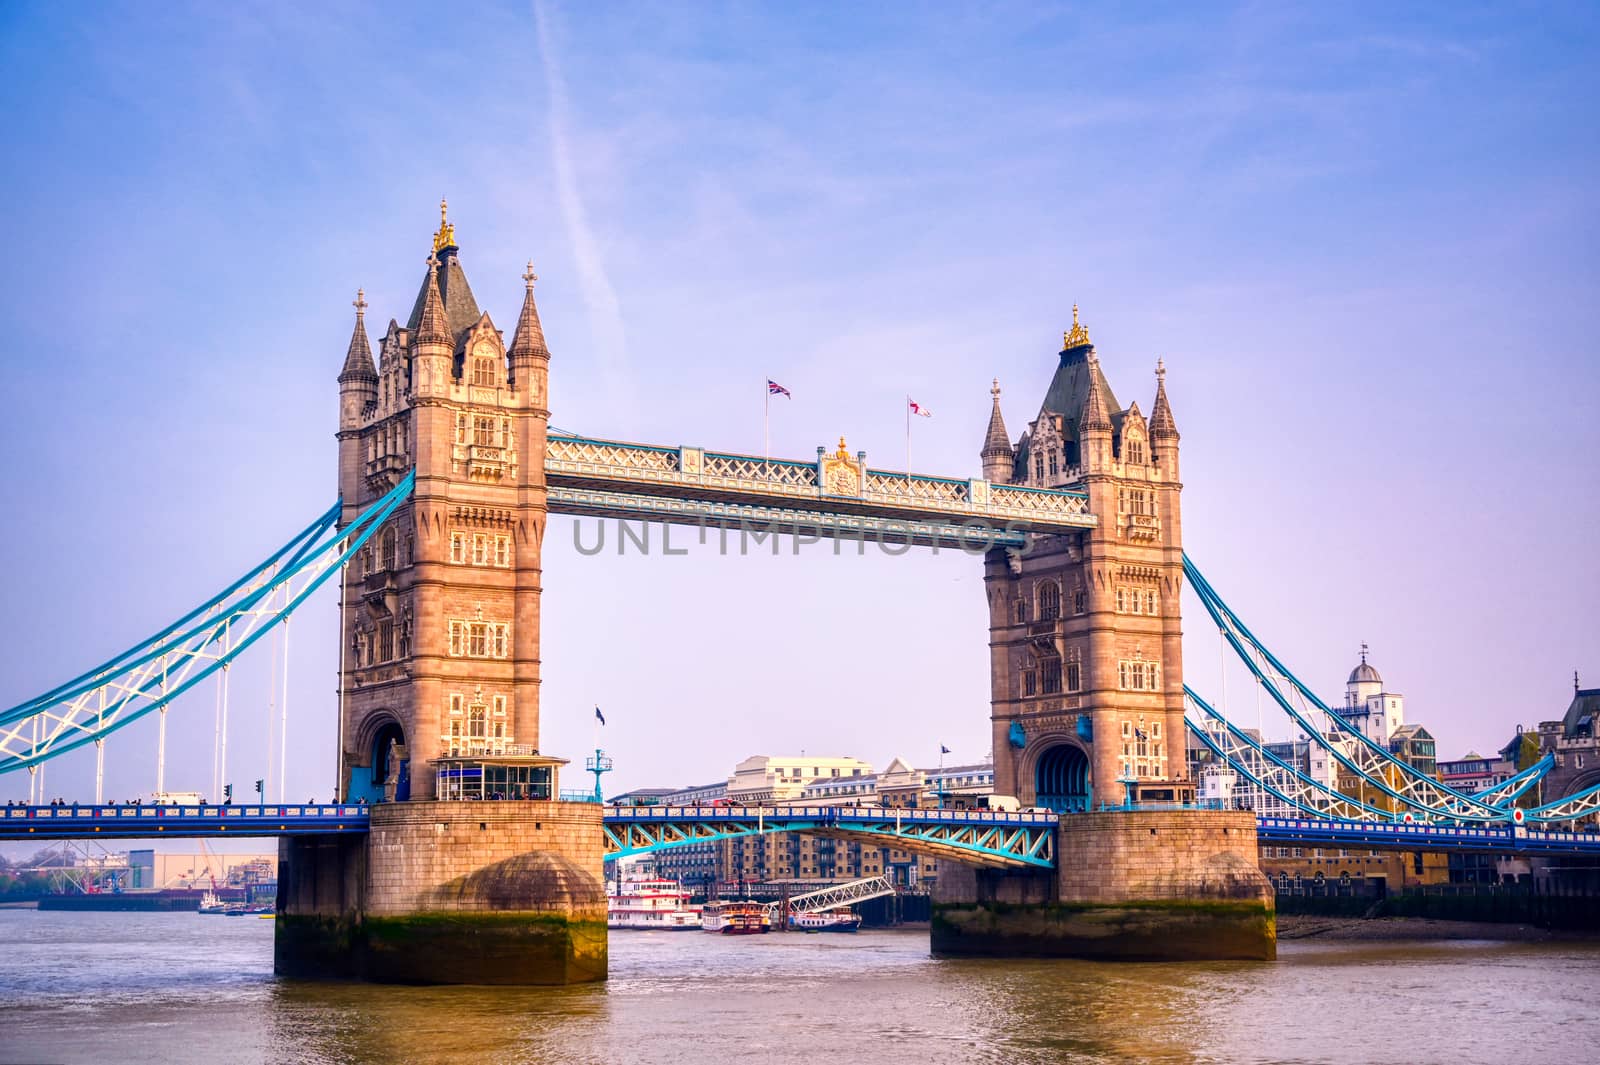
point(151, 674)
point(977, 837)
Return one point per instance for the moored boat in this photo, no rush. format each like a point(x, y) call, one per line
point(829, 921)
point(659, 905)
point(735, 918)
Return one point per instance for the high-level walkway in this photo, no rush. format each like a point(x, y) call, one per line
point(838, 495)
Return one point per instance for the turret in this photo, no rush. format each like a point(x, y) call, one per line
point(1094, 422)
point(1163, 430)
point(999, 461)
point(432, 346)
point(358, 381)
point(358, 394)
point(530, 359)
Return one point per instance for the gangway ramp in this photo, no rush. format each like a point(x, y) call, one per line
point(837, 895)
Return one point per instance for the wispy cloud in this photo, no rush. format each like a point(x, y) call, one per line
point(599, 295)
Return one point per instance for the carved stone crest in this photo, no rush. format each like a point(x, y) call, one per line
point(841, 475)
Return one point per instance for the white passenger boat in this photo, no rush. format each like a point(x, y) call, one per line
point(661, 905)
point(736, 918)
point(829, 921)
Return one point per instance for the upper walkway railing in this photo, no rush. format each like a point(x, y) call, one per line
point(583, 474)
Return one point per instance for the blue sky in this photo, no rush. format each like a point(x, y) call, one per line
point(1362, 237)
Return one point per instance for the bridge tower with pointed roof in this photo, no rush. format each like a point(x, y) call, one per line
point(440, 651)
point(1085, 630)
point(439, 684)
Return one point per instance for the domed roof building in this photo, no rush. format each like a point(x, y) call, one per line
point(1376, 713)
point(1365, 673)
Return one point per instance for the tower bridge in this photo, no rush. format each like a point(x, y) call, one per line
point(448, 473)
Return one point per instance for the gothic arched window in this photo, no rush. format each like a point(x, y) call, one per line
point(1049, 601)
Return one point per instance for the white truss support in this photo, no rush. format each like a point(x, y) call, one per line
point(283, 718)
point(837, 895)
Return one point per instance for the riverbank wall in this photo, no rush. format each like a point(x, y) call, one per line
point(1566, 913)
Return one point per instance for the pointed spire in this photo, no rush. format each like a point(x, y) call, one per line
point(433, 327)
point(1161, 423)
point(1094, 414)
point(999, 460)
point(996, 439)
point(529, 338)
point(358, 359)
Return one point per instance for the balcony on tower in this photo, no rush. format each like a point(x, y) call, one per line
point(1141, 527)
point(383, 472)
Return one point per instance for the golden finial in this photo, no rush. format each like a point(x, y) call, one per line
point(447, 232)
point(530, 277)
point(994, 389)
point(844, 452)
point(360, 302)
point(1077, 336)
point(1161, 369)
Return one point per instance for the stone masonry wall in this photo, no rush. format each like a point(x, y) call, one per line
point(415, 849)
point(1142, 855)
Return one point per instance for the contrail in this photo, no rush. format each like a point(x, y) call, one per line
point(605, 310)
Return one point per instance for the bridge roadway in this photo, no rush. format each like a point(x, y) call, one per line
point(981, 837)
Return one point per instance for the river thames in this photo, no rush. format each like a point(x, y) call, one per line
point(126, 987)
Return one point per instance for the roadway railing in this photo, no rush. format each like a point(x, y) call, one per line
point(77, 821)
point(1303, 831)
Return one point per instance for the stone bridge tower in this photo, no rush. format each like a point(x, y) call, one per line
point(440, 675)
point(1086, 664)
point(1085, 633)
point(440, 652)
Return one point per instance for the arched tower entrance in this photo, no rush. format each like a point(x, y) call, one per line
point(390, 764)
point(1061, 779)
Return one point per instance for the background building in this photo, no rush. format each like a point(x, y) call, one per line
point(787, 781)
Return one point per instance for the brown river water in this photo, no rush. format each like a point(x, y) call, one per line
point(129, 987)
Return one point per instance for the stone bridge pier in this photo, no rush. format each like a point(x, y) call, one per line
point(505, 892)
point(1132, 885)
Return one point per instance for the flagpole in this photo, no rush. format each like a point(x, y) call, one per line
point(908, 438)
point(766, 427)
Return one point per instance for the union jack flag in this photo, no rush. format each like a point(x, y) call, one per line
point(775, 389)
